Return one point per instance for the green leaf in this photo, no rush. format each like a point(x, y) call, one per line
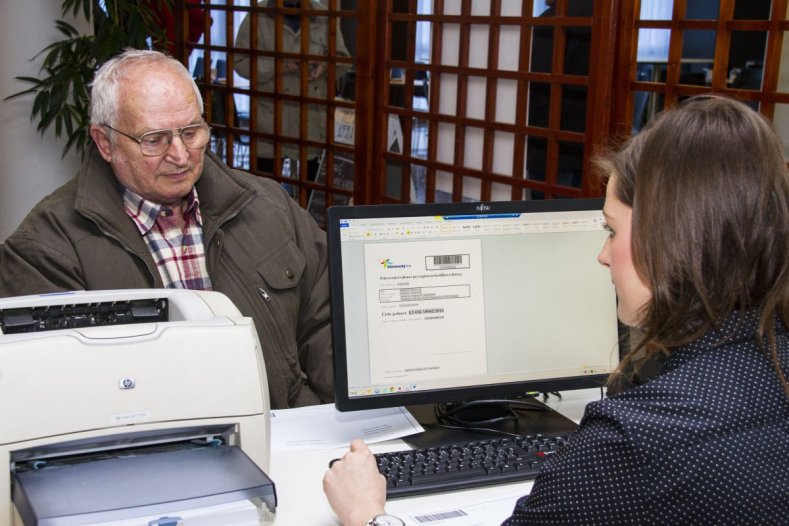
point(75, 5)
point(67, 29)
point(61, 96)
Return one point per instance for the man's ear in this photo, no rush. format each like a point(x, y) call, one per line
point(102, 140)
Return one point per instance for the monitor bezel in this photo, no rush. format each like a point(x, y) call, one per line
point(456, 394)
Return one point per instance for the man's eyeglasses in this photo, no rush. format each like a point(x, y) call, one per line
point(156, 142)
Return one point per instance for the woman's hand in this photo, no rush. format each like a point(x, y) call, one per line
point(355, 489)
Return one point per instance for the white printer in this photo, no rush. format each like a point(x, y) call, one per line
point(116, 405)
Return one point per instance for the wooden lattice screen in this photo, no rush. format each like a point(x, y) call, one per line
point(469, 99)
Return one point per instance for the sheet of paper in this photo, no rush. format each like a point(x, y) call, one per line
point(425, 310)
point(484, 513)
point(239, 513)
point(323, 427)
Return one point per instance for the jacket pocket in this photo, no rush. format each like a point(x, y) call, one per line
point(283, 269)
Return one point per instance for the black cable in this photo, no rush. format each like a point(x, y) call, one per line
point(446, 414)
point(547, 394)
point(480, 429)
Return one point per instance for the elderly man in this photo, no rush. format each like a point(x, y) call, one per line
point(151, 208)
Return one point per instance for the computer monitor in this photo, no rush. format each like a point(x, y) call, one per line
point(452, 302)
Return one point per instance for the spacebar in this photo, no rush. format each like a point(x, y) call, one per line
point(431, 478)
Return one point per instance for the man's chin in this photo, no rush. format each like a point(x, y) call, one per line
point(175, 195)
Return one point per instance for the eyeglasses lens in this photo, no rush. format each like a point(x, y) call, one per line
point(156, 143)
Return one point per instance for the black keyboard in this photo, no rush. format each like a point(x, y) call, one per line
point(466, 464)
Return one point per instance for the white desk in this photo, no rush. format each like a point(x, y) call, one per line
point(298, 476)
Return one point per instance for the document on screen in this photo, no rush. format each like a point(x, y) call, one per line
point(425, 306)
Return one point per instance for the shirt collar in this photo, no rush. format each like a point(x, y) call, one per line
point(144, 212)
point(738, 326)
point(305, 4)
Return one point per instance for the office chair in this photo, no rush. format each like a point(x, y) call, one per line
point(199, 70)
point(347, 83)
point(749, 77)
point(240, 142)
point(221, 69)
point(422, 87)
point(421, 83)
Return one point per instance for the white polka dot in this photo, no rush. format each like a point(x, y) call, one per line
point(704, 442)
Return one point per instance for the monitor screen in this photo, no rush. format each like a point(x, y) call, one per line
point(453, 302)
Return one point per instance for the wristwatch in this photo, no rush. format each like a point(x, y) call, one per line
point(385, 520)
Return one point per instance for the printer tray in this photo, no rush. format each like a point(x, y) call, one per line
point(138, 485)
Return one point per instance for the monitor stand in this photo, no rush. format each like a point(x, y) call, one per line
point(542, 419)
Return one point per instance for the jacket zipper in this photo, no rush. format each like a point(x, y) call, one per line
point(206, 240)
point(275, 319)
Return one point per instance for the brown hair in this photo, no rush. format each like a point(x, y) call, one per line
point(708, 185)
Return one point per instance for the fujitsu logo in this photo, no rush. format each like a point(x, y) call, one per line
point(482, 207)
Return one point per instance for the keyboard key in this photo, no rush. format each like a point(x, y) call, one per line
point(464, 465)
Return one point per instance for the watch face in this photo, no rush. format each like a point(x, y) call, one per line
point(387, 520)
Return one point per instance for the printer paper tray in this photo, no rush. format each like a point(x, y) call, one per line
point(135, 486)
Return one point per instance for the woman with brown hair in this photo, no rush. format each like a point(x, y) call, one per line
point(697, 206)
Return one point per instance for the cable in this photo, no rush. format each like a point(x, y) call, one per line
point(446, 413)
point(480, 429)
point(547, 395)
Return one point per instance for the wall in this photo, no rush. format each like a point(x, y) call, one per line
point(31, 166)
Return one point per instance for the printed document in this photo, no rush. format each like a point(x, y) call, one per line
point(239, 513)
point(425, 308)
point(472, 511)
point(323, 427)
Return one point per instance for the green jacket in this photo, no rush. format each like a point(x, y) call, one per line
point(263, 251)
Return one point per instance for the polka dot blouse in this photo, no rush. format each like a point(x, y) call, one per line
point(705, 442)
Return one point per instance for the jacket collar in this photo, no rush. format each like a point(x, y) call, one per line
point(100, 199)
point(224, 192)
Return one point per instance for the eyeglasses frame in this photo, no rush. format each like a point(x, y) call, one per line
point(173, 132)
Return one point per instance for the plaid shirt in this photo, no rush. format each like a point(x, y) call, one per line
point(179, 252)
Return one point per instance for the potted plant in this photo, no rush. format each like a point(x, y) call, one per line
point(61, 93)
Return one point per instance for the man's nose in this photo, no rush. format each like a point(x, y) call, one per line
point(177, 150)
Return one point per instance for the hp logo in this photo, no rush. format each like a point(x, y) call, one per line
point(127, 383)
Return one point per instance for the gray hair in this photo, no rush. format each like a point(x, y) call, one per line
point(110, 76)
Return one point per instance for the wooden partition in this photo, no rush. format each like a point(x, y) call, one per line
point(689, 47)
point(432, 100)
